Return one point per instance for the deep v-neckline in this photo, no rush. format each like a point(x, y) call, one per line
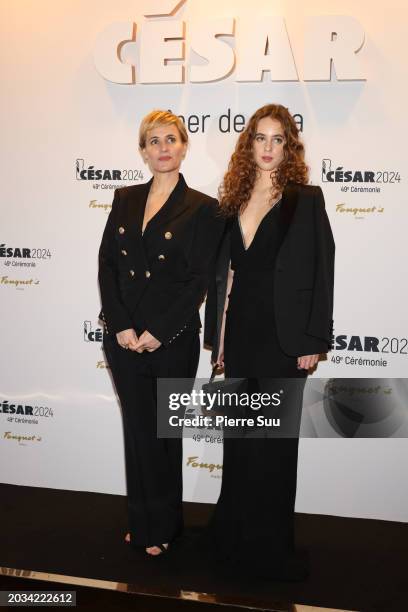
point(175, 192)
point(246, 248)
point(157, 211)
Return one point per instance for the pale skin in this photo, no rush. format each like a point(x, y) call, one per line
point(163, 153)
point(268, 152)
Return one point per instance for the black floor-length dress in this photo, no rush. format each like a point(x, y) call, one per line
point(253, 522)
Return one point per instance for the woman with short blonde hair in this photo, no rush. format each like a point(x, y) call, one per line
point(156, 253)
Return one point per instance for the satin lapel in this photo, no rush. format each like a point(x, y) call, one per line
point(173, 207)
point(290, 199)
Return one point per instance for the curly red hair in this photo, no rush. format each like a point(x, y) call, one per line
point(239, 180)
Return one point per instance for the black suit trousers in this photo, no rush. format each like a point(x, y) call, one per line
point(253, 522)
point(153, 465)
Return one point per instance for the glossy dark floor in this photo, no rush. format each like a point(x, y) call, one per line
point(355, 564)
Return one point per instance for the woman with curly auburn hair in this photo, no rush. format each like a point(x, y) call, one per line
point(268, 318)
point(243, 171)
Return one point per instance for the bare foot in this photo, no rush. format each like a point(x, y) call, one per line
point(154, 551)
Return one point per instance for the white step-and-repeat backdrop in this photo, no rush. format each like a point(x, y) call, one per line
point(77, 79)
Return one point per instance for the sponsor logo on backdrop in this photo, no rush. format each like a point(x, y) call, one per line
point(22, 440)
point(358, 212)
point(213, 468)
point(356, 408)
point(19, 257)
point(357, 387)
point(368, 351)
point(105, 178)
point(23, 257)
point(91, 334)
point(358, 180)
point(102, 365)
point(94, 204)
point(22, 413)
point(18, 283)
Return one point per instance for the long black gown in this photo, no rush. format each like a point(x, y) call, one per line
point(253, 522)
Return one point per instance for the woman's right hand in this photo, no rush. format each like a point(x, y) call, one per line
point(127, 339)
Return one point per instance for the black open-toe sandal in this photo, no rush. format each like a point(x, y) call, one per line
point(162, 547)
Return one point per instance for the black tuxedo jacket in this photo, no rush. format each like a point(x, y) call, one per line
point(158, 280)
point(303, 277)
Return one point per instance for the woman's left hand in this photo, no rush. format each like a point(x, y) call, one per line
point(307, 361)
point(147, 342)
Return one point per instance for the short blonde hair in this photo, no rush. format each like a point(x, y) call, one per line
point(157, 118)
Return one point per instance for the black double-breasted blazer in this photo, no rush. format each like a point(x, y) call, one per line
point(158, 280)
point(303, 277)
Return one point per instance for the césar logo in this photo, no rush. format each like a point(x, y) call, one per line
point(91, 335)
point(260, 44)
